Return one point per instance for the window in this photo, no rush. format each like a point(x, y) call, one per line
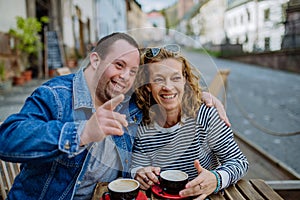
point(249, 16)
point(267, 44)
point(267, 14)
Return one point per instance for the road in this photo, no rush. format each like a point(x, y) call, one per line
point(264, 97)
point(270, 98)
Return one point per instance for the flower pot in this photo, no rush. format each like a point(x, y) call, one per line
point(52, 72)
point(18, 80)
point(27, 75)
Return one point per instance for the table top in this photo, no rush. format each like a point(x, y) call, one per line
point(243, 189)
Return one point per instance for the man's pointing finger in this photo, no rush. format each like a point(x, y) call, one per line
point(112, 104)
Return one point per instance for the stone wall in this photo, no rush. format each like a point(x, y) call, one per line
point(287, 60)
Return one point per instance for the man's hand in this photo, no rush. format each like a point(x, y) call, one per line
point(104, 122)
point(210, 100)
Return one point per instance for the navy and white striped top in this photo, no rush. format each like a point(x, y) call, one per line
point(207, 139)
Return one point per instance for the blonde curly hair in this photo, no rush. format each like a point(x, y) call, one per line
point(192, 98)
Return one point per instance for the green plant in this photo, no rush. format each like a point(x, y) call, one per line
point(2, 72)
point(27, 35)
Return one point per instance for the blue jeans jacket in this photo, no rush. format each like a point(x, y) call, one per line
point(44, 137)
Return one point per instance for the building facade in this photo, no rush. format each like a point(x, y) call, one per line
point(78, 23)
point(136, 20)
point(9, 10)
point(154, 31)
point(291, 38)
point(110, 16)
point(184, 6)
point(257, 25)
point(208, 23)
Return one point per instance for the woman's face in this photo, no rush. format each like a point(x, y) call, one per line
point(167, 83)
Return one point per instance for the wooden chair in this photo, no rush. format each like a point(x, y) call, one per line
point(218, 85)
point(8, 172)
point(63, 71)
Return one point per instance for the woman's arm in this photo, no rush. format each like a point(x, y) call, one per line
point(142, 169)
point(234, 164)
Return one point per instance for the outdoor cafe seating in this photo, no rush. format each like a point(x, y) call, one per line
point(253, 188)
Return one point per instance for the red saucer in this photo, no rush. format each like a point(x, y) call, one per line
point(159, 192)
point(141, 196)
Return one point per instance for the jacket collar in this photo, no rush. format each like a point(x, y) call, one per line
point(82, 96)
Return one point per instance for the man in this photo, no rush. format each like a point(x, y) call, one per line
point(70, 133)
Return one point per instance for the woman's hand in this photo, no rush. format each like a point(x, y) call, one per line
point(202, 186)
point(147, 176)
point(210, 100)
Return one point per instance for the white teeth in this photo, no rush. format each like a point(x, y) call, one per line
point(168, 96)
point(118, 87)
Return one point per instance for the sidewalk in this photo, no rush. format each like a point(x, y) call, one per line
point(13, 100)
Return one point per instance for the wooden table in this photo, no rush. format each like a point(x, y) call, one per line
point(255, 189)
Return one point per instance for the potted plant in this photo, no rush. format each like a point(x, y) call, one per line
point(5, 81)
point(18, 78)
point(27, 39)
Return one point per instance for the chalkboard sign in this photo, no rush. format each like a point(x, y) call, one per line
point(54, 55)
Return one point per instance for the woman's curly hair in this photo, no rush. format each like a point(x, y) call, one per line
point(192, 90)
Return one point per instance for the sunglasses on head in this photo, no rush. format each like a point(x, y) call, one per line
point(154, 51)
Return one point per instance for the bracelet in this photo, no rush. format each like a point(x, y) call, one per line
point(221, 184)
point(219, 181)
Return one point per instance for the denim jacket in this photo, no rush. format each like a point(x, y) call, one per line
point(44, 137)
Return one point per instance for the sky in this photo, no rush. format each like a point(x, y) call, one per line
point(148, 5)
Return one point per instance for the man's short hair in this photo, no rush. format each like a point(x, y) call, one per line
point(104, 44)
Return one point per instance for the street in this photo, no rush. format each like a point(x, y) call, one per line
point(269, 97)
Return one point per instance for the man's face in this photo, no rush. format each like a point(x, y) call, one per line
point(116, 73)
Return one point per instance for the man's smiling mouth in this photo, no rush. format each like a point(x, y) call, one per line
point(117, 86)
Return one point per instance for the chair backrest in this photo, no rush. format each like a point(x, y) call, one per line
point(63, 71)
point(8, 172)
point(218, 85)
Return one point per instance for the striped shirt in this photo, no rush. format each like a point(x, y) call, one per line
point(206, 138)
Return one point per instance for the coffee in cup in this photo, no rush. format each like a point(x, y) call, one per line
point(123, 189)
point(173, 181)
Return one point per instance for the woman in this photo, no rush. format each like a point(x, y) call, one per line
point(179, 131)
